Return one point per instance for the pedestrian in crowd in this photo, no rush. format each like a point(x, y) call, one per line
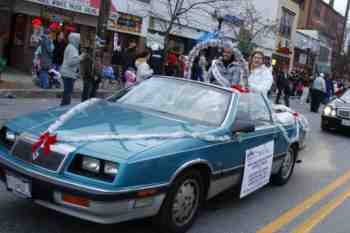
point(116, 61)
point(329, 87)
point(86, 73)
point(70, 67)
point(226, 71)
point(203, 63)
point(156, 59)
point(144, 71)
point(260, 78)
point(183, 65)
point(196, 71)
point(318, 92)
point(305, 95)
point(300, 88)
point(44, 53)
point(58, 52)
point(283, 86)
point(171, 65)
point(128, 58)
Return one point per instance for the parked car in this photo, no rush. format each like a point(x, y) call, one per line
point(336, 115)
point(157, 150)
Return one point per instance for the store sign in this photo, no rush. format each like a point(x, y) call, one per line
point(81, 6)
point(56, 14)
point(125, 23)
point(90, 7)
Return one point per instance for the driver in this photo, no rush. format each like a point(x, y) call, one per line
point(227, 71)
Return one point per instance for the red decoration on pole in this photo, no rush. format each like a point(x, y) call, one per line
point(36, 22)
point(55, 26)
point(46, 140)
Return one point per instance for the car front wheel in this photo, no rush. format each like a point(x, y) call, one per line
point(287, 167)
point(182, 203)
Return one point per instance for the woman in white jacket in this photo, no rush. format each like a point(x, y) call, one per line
point(144, 71)
point(260, 78)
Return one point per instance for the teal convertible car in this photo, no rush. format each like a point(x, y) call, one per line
point(157, 150)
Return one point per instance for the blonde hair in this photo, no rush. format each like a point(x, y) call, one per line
point(252, 56)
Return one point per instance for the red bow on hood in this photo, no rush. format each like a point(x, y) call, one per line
point(45, 140)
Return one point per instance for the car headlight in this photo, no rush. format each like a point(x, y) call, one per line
point(91, 164)
point(10, 136)
point(328, 110)
point(110, 168)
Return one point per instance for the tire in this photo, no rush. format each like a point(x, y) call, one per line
point(287, 168)
point(167, 220)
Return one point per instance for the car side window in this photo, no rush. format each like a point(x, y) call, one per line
point(259, 111)
point(252, 107)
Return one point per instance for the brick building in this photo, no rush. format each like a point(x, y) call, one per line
point(322, 17)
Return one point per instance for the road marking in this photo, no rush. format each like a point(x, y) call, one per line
point(291, 214)
point(308, 225)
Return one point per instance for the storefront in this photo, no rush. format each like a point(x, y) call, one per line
point(306, 51)
point(181, 40)
point(65, 16)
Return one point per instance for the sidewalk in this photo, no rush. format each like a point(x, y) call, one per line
point(20, 85)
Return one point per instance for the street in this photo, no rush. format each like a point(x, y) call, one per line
point(324, 160)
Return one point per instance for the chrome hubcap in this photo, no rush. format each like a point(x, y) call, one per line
point(287, 165)
point(186, 202)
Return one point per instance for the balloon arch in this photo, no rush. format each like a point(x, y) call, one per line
point(216, 43)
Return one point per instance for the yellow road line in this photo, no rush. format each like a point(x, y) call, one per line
point(322, 213)
point(291, 214)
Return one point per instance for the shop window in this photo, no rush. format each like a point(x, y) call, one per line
point(286, 24)
point(19, 30)
point(317, 9)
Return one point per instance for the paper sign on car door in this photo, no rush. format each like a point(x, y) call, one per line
point(257, 168)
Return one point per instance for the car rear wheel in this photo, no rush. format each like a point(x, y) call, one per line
point(287, 168)
point(182, 203)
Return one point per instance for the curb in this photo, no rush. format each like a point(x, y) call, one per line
point(37, 93)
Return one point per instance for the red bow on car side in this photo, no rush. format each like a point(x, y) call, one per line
point(46, 140)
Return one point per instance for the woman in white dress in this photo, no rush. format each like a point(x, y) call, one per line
point(260, 78)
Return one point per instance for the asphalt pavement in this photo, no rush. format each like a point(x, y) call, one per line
point(315, 200)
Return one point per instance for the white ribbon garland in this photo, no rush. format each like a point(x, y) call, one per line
point(300, 122)
point(110, 136)
point(127, 137)
point(218, 77)
point(71, 113)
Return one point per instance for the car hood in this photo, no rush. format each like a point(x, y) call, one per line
point(107, 118)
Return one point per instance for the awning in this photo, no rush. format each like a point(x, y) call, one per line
point(90, 7)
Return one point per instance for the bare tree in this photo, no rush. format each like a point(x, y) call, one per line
point(253, 26)
point(181, 13)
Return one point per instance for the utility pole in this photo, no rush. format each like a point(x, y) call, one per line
point(101, 38)
point(345, 24)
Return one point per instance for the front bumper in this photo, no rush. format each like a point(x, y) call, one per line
point(105, 206)
point(333, 123)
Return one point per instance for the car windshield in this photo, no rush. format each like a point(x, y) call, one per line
point(182, 99)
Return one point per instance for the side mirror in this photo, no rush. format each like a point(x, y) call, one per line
point(243, 127)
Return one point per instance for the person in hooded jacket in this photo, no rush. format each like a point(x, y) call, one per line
point(144, 71)
point(70, 67)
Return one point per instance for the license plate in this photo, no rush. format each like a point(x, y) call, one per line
point(19, 185)
point(345, 122)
